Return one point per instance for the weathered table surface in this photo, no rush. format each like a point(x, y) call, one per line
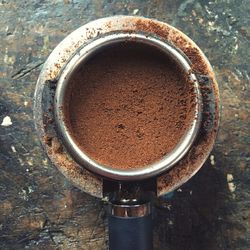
point(40, 209)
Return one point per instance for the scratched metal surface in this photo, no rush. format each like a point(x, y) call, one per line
point(38, 207)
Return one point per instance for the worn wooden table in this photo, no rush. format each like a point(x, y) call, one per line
point(40, 209)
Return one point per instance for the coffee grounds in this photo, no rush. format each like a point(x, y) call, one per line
point(128, 106)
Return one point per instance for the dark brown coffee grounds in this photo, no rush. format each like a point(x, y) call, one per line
point(128, 106)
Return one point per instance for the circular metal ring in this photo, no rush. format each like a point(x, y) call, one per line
point(83, 159)
point(130, 210)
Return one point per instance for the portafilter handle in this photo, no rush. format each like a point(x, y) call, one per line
point(130, 226)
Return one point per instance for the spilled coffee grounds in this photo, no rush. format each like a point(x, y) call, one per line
point(128, 106)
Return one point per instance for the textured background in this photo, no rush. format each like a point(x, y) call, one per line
point(40, 209)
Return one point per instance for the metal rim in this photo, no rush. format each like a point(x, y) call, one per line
point(130, 210)
point(141, 173)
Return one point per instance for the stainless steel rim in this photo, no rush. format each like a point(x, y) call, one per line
point(141, 173)
point(130, 210)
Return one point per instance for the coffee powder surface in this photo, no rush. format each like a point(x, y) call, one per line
point(128, 106)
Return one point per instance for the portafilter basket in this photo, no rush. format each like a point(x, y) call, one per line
point(80, 156)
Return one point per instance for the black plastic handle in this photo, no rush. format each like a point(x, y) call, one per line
point(130, 233)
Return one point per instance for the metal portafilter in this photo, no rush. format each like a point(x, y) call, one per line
point(130, 209)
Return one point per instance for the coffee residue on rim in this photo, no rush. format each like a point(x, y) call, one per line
point(128, 106)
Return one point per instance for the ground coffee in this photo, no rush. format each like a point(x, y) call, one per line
point(128, 106)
